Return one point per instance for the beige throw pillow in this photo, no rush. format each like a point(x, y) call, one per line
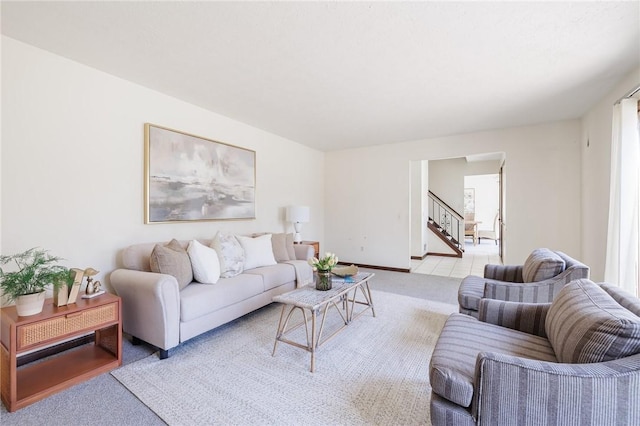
point(279, 246)
point(172, 259)
point(290, 249)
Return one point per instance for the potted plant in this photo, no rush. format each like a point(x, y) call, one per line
point(36, 269)
point(322, 270)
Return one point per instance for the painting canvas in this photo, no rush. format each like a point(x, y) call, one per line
point(469, 200)
point(189, 178)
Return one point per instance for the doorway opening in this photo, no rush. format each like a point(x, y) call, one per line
point(482, 214)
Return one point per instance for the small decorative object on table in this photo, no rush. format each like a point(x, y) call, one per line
point(77, 275)
point(346, 271)
point(93, 287)
point(322, 270)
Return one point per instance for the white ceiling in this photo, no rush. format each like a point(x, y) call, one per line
point(334, 75)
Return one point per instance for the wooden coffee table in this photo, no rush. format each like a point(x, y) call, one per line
point(342, 296)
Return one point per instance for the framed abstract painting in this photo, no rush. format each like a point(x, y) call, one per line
point(191, 178)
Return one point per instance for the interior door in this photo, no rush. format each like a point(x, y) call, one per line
point(501, 225)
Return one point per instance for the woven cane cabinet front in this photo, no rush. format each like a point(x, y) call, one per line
point(32, 382)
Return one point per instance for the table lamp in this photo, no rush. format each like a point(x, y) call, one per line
point(298, 215)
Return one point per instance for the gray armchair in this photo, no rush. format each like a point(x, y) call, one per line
point(573, 361)
point(538, 280)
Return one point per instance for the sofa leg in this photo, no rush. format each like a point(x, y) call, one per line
point(135, 341)
point(164, 353)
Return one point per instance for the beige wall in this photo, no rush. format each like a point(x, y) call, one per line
point(419, 207)
point(595, 150)
point(72, 162)
point(446, 180)
point(542, 192)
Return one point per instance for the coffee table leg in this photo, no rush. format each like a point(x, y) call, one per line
point(314, 341)
point(369, 298)
point(279, 332)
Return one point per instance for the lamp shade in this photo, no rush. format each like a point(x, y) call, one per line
point(298, 214)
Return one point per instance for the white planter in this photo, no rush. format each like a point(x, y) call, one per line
point(30, 304)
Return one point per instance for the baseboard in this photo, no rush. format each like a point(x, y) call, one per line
point(443, 254)
point(419, 257)
point(383, 268)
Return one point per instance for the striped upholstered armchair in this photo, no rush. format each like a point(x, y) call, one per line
point(575, 361)
point(538, 280)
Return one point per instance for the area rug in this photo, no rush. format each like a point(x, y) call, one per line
point(374, 372)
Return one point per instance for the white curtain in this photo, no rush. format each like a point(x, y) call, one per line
point(621, 267)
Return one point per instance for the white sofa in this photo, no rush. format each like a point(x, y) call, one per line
point(156, 311)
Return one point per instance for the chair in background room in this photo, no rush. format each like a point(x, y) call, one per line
point(490, 235)
point(471, 227)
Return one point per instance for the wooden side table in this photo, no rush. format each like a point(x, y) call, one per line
point(316, 246)
point(33, 382)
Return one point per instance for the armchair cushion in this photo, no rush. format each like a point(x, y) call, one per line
point(542, 264)
point(453, 362)
point(585, 324)
point(525, 317)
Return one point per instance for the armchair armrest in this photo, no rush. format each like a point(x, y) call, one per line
point(507, 273)
point(150, 306)
point(510, 389)
point(526, 317)
point(303, 251)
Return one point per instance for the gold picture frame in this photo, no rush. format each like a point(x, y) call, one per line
point(191, 178)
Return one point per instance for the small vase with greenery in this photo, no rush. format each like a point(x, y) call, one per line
point(36, 270)
point(323, 267)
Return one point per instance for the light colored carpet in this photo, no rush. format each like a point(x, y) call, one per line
point(374, 372)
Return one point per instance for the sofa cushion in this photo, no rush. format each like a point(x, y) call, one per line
point(542, 264)
point(585, 324)
point(257, 251)
point(172, 259)
point(204, 262)
point(274, 275)
point(230, 254)
point(201, 299)
point(453, 363)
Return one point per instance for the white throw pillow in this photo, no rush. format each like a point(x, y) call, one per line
point(204, 262)
point(257, 251)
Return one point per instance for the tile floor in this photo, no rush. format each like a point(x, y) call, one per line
point(471, 263)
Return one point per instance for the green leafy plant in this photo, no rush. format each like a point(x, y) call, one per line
point(37, 269)
point(324, 264)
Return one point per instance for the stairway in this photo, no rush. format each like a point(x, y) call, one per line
point(447, 224)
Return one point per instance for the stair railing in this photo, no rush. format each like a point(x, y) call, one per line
point(450, 222)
